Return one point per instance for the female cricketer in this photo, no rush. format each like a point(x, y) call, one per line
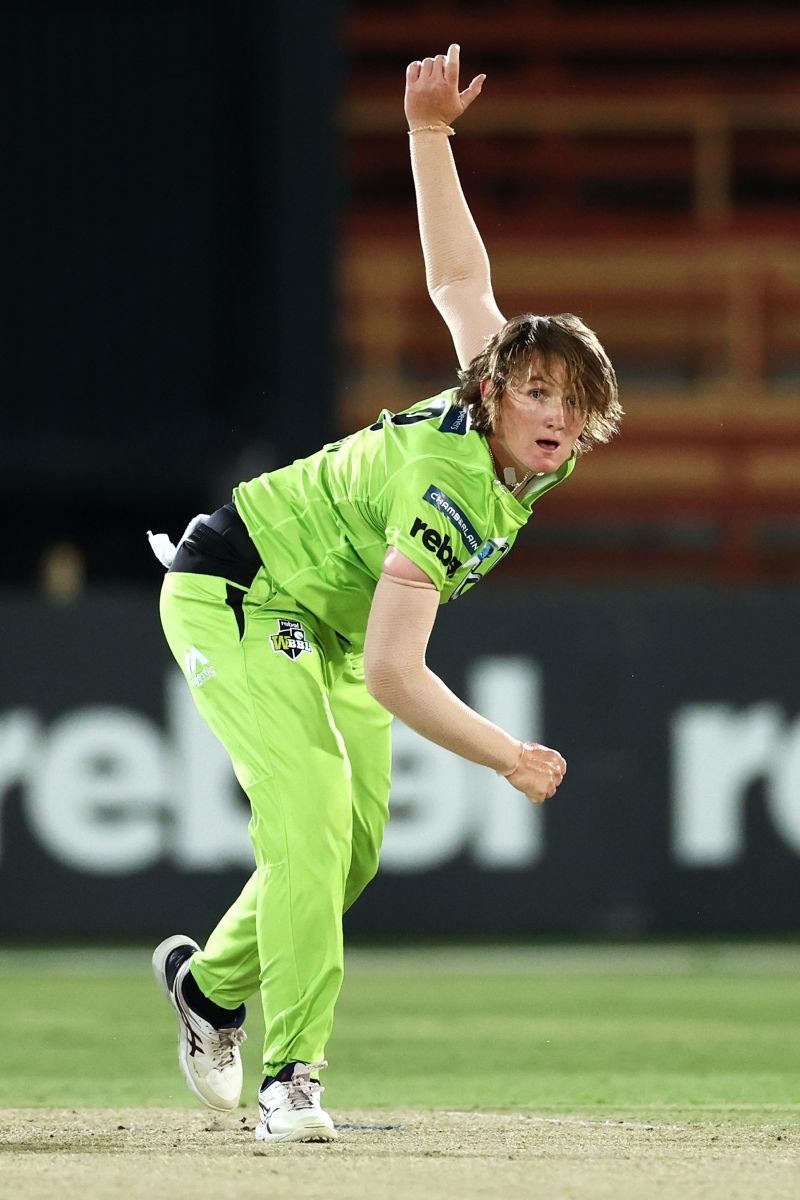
point(300, 615)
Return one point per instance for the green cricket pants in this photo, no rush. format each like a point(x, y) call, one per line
point(312, 750)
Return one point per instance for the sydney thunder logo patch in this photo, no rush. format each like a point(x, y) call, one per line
point(290, 639)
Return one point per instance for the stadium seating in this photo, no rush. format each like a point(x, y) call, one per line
point(644, 173)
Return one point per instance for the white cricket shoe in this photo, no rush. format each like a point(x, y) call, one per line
point(290, 1110)
point(209, 1057)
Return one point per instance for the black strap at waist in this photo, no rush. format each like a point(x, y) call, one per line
point(220, 546)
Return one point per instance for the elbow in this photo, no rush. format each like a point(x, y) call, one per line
point(371, 681)
point(380, 678)
point(460, 286)
point(442, 291)
point(390, 683)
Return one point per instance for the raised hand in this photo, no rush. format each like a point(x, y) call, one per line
point(432, 95)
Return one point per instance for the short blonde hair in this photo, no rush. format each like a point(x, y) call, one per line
point(509, 355)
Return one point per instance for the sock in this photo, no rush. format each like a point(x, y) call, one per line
point(284, 1075)
point(213, 1013)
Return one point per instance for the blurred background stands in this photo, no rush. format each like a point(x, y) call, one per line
point(210, 270)
point(638, 164)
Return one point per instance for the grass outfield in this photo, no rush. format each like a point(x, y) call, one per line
point(699, 1033)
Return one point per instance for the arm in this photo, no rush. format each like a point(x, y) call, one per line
point(456, 264)
point(400, 623)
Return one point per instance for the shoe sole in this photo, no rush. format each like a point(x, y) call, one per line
point(159, 960)
point(319, 1134)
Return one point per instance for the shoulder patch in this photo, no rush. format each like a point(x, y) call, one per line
point(455, 516)
point(455, 421)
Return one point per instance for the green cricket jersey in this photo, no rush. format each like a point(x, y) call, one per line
point(422, 480)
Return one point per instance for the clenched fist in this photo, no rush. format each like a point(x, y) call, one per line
point(538, 773)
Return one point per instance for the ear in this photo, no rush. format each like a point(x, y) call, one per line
point(485, 387)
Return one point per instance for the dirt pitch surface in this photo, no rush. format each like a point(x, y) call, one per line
point(146, 1154)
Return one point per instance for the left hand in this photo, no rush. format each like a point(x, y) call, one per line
point(162, 546)
point(432, 95)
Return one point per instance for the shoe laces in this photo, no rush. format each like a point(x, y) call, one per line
point(227, 1041)
point(302, 1091)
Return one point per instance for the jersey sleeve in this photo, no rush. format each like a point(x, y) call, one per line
point(428, 518)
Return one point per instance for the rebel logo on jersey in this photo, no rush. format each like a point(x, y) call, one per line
point(438, 544)
point(290, 639)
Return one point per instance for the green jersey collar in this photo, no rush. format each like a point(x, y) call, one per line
point(520, 506)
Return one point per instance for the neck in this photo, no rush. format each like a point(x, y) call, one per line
point(512, 473)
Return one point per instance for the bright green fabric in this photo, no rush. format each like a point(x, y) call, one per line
point(422, 481)
point(311, 749)
point(287, 699)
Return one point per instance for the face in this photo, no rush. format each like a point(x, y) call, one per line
point(538, 421)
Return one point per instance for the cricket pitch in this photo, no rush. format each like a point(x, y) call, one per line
point(146, 1154)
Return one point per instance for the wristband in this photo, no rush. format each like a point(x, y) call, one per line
point(448, 129)
point(508, 774)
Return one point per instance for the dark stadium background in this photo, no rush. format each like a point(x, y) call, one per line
point(210, 266)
